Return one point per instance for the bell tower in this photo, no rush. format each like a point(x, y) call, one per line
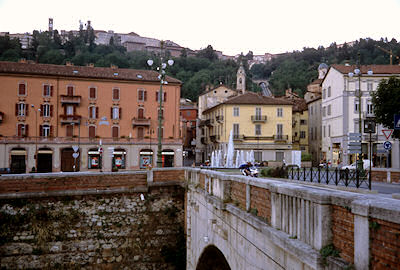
point(241, 79)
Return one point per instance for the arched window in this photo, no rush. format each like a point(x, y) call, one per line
point(92, 132)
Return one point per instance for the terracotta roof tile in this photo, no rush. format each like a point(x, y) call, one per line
point(376, 69)
point(83, 72)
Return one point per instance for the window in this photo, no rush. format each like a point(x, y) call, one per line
point(311, 133)
point(311, 110)
point(329, 109)
point(141, 113)
point(22, 130)
point(303, 122)
point(279, 112)
point(258, 129)
point(370, 108)
point(356, 126)
point(279, 131)
point(47, 90)
point(258, 156)
point(235, 130)
point(115, 132)
point(279, 156)
point(69, 110)
point(324, 131)
point(369, 85)
point(93, 112)
point(324, 111)
point(164, 94)
point(115, 113)
point(21, 109)
point(323, 93)
point(258, 113)
point(46, 110)
point(162, 132)
point(235, 111)
point(329, 130)
point(22, 89)
point(115, 94)
point(302, 134)
point(70, 91)
point(140, 132)
point(69, 130)
point(92, 93)
point(92, 132)
point(329, 91)
point(142, 95)
point(356, 105)
point(45, 130)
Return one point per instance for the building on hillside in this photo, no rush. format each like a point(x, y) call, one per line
point(340, 113)
point(300, 125)
point(188, 113)
point(259, 123)
point(313, 100)
point(106, 116)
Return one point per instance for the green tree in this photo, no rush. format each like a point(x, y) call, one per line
point(386, 102)
point(208, 53)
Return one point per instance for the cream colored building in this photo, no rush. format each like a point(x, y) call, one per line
point(259, 123)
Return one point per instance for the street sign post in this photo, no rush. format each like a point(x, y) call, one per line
point(387, 145)
point(354, 143)
point(387, 133)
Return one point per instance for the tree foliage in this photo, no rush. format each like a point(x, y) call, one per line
point(386, 102)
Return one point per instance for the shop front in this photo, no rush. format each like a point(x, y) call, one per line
point(119, 158)
point(18, 158)
point(168, 158)
point(94, 159)
point(146, 158)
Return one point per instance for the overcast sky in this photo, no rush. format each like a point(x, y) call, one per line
point(230, 26)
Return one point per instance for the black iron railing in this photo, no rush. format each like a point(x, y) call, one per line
point(338, 177)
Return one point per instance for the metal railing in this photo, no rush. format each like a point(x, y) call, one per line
point(349, 178)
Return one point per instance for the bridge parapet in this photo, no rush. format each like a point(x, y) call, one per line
point(318, 217)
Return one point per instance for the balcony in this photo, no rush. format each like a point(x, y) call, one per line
point(214, 138)
point(203, 140)
point(280, 138)
point(368, 114)
point(70, 99)
point(220, 118)
point(70, 119)
point(207, 122)
point(259, 118)
point(140, 121)
point(238, 137)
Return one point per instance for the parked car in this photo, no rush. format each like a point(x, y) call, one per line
point(5, 171)
point(353, 166)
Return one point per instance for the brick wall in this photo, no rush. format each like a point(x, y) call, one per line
point(395, 177)
point(168, 175)
point(343, 232)
point(238, 194)
point(381, 176)
point(73, 182)
point(384, 244)
point(260, 199)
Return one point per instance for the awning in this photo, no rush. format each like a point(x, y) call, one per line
point(18, 152)
point(45, 152)
point(93, 153)
point(168, 153)
point(146, 153)
point(119, 153)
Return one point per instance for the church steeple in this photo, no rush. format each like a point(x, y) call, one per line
point(241, 79)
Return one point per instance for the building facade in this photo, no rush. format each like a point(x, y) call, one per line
point(188, 111)
point(71, 118)
point(259, 123)
point(343, 98)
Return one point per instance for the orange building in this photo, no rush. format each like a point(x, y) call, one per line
point(74, 118)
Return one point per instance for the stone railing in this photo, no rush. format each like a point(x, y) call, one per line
point(360, 227)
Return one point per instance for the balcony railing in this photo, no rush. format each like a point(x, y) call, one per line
point(140, 121)
point(259, 118)
point(65, 99)
point(220, 118)
point(69, 119)
point(238, 137)
point(280, 137)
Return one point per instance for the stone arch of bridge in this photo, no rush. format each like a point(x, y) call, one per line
point(212, 259)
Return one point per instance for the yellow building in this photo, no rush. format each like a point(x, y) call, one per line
point(259, 123)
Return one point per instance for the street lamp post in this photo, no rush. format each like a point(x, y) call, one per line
point(36, 136)
point(357, 72)
point(161, 77)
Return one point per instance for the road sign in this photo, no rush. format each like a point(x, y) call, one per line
point(387, 145)
point(101, 150)
point(387, 133)
point(354, 151)
point(75, 148)
point(355, 136)
point(75, 155)
point(358, 144)
point(397, 121)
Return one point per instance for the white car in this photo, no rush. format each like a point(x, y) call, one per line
point(354, 166)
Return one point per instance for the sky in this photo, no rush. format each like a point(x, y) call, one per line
point(230, 26)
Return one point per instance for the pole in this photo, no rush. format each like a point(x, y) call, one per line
point(359, 162)
point(36, 141)
point(370, 160)
point(160, 99)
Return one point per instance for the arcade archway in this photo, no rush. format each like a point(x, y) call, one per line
point(212, 259)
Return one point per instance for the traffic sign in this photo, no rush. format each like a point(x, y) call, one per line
point(358, 144)
point(75, 155)
point(397, 121)
point(101, 150)
point(355, 136)
point(387, 133)
point(75, 148)
point(387, 145)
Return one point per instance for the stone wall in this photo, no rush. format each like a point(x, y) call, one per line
point(104, 228)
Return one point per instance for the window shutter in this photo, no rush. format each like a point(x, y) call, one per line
point(40, 130)
point(157, 96)
point(51, 90)
point(120, 113)
point(16, 109)
point(65, 110)
point(97, 112)
point(26, 109)
point(26, 130)
point(111, 114)
point(51, 131)
point(145, 95)
point(41, 109)
point(51, 110)
point(165, 96)
point(74, 109)
point(44, 90)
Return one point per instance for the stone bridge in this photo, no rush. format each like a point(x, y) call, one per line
point(237, 222)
